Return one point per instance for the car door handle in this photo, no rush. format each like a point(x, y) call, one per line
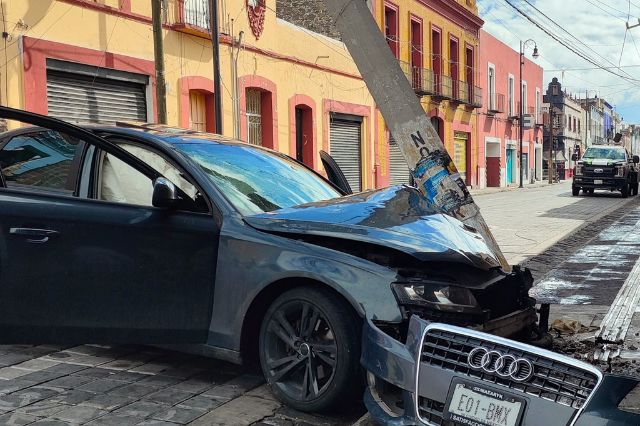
point(33, 235)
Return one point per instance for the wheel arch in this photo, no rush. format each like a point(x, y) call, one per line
point(257, 309)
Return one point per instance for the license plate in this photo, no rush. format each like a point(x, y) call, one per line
point(597, 181)
point(470, 404)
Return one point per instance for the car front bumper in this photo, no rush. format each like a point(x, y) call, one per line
point(392, 367)
point(588, 182)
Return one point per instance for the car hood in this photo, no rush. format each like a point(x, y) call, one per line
point(397, 217)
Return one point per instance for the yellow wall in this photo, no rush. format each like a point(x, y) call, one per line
point(70, 23)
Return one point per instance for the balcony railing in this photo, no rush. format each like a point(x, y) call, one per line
point(461, 92)
point(495, 103)
point(477, 97)
point(442, 86)
point(421, 79)
point(194, 14)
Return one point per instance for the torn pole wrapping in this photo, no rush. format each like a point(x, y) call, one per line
point(431, 166)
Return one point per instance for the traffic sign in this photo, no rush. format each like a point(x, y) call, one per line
point(528, 122)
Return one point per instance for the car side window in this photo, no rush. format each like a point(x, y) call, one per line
point(42, 160)
point(119, 182)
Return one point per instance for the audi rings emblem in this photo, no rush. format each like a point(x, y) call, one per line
point(504, 365)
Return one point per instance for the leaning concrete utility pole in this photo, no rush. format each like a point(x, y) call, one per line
point(158, 49)
point(431, 166)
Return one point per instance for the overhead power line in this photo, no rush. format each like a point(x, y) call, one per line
point(568, 46)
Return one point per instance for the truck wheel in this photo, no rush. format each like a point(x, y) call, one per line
point(575, 191)
point(625, 190)
point(310, 350)
point(591, 191)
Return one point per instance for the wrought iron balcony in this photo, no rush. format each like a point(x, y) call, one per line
point(193, 16)
point(477, 97)
point(495, 103)
point(461, 91)
point(443, 87)
point(421, 79)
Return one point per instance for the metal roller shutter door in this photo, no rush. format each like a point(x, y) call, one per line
point(398, 169)
point(80, 98)
point(345, 139)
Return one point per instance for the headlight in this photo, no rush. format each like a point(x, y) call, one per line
point(436, 295)
point(619, 171)
point(579, 170)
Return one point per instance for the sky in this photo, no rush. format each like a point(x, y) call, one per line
point(595, 26)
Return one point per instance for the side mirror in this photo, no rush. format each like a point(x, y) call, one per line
point(165, 195)
point(574, 157)
point(636, 159)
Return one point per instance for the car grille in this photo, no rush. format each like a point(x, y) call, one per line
point(606, 172)
point(553, 380)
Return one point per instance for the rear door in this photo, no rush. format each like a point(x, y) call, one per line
point(84, 256)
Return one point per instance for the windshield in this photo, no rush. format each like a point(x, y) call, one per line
point(605, 153)
point(257, 181)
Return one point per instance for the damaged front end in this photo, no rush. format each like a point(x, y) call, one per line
point(444, 270)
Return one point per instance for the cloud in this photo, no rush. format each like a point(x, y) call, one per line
point(598, 25)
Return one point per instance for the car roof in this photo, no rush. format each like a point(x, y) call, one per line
point(164, 133)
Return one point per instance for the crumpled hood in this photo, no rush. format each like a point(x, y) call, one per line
point(396, 217)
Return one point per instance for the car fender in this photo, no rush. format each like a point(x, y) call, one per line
point(251, 261)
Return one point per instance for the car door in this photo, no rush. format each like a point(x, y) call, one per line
point(75, 267)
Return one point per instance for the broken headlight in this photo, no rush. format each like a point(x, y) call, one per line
point(436, 295)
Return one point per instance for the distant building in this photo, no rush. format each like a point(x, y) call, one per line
point(595, 130)
point(568, 117)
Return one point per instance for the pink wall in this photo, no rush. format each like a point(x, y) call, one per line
point(498, 126)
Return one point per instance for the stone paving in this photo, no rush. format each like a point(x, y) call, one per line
point(134, 385)
point(528, 221)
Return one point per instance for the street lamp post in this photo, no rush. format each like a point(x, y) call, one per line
point(523, 45)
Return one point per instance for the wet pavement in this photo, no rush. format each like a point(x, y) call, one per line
point(594, 273)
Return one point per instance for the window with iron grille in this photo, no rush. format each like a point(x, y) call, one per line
point(254, 116)
point(196, 12)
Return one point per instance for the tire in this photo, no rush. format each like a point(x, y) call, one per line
point(625, 191)
point(575, 191)
point(592, 191)
point(300, 373)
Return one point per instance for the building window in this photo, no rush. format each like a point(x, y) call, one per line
point(537, 105)
point(416, 43)
point(196, 12)
point(470, 68)
point(524, 98)
point(511, 96)
point(254, 116)
point(454, 71)
point(436, 59)
point(554, 90)
point(578, 126)
point(391, 28)
point(492, 88)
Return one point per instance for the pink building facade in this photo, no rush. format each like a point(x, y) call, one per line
point(498, 124)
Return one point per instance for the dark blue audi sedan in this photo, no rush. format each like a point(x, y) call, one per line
point(149, 234)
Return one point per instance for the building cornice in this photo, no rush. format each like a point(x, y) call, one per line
point(455, 12)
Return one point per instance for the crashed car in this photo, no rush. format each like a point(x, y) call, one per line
point(150, 234)
point(447, 375)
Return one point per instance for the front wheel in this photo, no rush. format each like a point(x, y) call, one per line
point(575, 191)
point(310, 349)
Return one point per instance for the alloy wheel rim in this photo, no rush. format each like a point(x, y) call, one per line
point(300, 351)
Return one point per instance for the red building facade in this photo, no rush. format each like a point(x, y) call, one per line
point(499, 156)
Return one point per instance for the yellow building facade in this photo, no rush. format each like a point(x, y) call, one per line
point(437, 45)
point(283, 86)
